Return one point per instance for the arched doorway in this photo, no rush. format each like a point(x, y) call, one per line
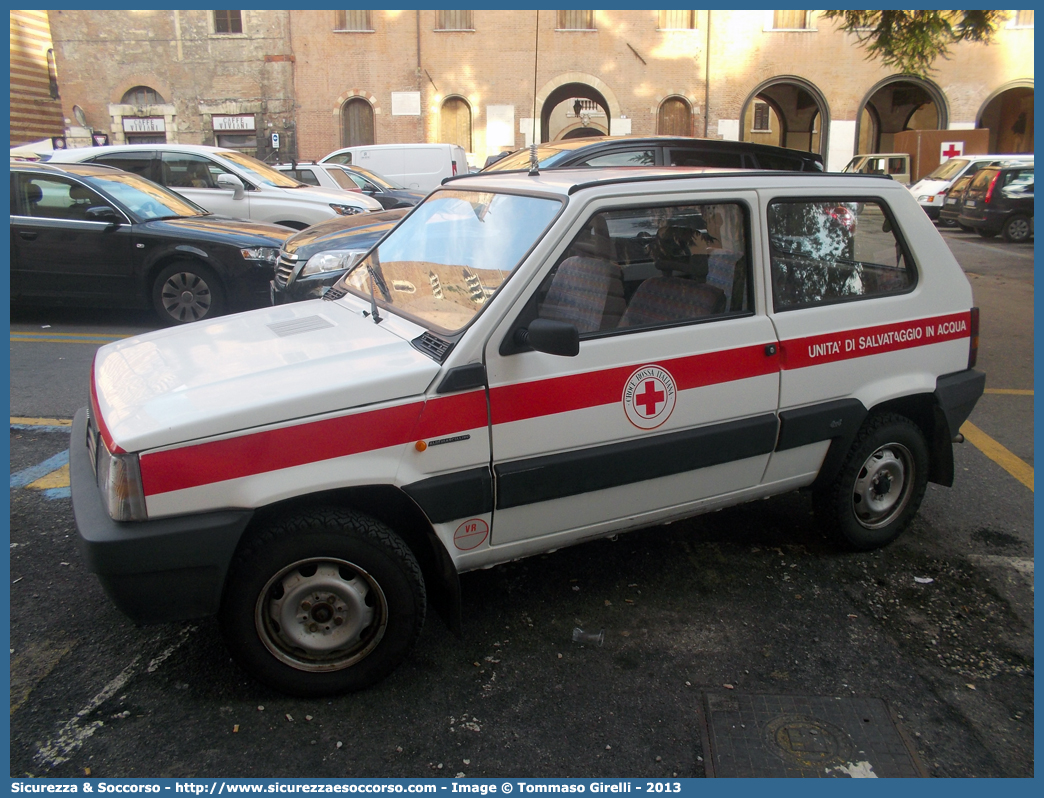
point(574, 110)
point(455, 122)
point(787, 111)
point(674, 117)
point(1008, 113)
point(356, 123)
point(896, 104)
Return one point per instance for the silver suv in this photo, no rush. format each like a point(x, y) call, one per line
point(226, 182)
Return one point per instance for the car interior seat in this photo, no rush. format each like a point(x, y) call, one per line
point(587, 289)
point(33, 194)
point(661, 300)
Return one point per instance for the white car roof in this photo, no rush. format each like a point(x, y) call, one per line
point(76, 152)
point(638, 180)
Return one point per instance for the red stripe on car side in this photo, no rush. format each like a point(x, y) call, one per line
point(593, 389)
point(272, 450)
point(254, 453)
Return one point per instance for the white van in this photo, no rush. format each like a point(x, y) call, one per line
point(415, 166)
point(896, 164)
point(930, 190)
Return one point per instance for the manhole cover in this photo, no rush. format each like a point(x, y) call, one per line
point(765, 736)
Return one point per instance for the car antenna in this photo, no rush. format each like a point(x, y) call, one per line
point(534, 164)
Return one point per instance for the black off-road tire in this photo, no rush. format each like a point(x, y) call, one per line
point(324, 602)
point(880, 485)
point(186, 291)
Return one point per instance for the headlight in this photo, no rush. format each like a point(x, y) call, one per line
point(263, 254)
point(346, 210)
point(926, 198)
point(332, 260)
point(119, 479)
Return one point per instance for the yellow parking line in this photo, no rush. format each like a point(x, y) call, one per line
point(1010, 391)
point(998, 454)
point(42, 422)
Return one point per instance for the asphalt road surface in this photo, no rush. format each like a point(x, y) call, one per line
point(751, 600)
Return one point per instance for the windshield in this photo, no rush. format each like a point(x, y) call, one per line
point(143, 198)
point(948, 170)
point(547, 157)
point(342, 179)
point(259, 172)
point(448, 257)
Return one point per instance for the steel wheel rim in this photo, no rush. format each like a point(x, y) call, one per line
point(186, 296)
point(883, 486)
point(321, 614)
point(1018, 229)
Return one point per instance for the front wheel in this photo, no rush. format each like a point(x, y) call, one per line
point(187, 291)
point(1018, 229)
point(880, 485)
point(322, 603)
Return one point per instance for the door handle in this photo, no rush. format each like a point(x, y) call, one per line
point(28, 235)
point(770, 350)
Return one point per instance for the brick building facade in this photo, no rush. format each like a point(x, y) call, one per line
point(192, 77)
point(36, 110)
point(495, 80)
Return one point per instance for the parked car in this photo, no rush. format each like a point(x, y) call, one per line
point(521, 364)
point(354, 178)
point(930, 191)
point(101, 237)
point(1000, 200)
point(953, 202)
point(417, 167)
point(314, 259)
point(606, 151)
point(315, 174)
point(895, 164)
point(227, 182)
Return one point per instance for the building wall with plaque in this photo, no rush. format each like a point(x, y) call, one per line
point(494, 80)
point(189, 77)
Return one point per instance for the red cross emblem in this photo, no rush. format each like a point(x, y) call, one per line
point(649, 396)
point(952, 150)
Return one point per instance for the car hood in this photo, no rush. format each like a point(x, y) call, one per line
point(251, 369)
point(930, 186)
point(349, 232)
point(223, 228)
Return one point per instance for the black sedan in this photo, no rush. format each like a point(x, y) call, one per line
point(314, 259)
point(101, 237)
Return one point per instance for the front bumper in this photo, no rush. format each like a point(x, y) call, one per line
point(169, 569)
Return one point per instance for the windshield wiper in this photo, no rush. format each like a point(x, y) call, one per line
point(373, 299)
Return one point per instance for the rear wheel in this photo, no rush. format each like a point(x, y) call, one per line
point(880, 485)
point(322, 603)
point(187, 291)
point(1018, 229)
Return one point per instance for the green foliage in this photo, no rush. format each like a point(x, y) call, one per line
point(911, 41)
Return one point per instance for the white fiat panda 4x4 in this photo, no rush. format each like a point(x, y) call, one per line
point(525, 362)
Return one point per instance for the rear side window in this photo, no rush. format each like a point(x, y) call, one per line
point(723, 160)
point(306, 176)
point(629, 158)
point(140, 163)
point(827, 251)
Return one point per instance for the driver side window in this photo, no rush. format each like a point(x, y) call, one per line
point(646, 267)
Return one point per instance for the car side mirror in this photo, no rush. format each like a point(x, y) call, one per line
point(552, 337)
point(103, 213)
point(226, 180)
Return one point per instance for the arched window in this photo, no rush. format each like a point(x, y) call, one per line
point(674, 118)
point(455, 123)
point(142, 95)
point(356, 123)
